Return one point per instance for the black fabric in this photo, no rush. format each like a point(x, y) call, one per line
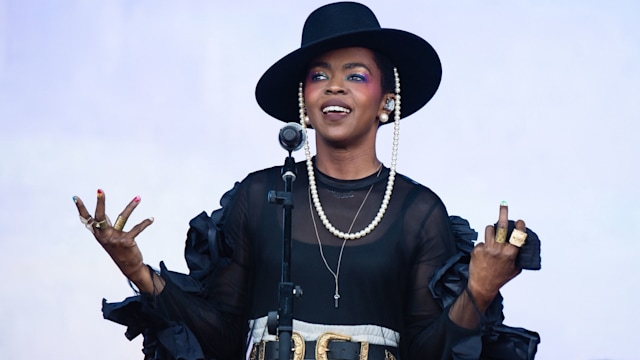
point(235, 261)
point(499, 341)
point(203, 256)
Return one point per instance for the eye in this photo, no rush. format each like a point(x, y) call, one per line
point(318, 76)
point(358, 77)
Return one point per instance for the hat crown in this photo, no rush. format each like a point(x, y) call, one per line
point(338, 19)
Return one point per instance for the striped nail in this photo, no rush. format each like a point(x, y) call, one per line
point(100, 193)
point(136, 199)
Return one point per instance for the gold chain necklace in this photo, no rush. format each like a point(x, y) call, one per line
point(336, 274)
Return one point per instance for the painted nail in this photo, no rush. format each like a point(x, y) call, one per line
point(503, 203)
point(136, 199)
point(151, 219)
point(100, 193)
point(75, 199)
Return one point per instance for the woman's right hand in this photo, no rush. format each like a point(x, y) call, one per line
point(119, 244)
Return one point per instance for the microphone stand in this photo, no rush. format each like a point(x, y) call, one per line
point(280, 322)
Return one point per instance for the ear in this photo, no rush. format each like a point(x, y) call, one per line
point(387, 105)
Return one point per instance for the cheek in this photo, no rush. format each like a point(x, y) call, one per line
point(310, 88)
point(311, 93)
point(371, 95)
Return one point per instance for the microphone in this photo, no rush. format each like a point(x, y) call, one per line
point(292, 136)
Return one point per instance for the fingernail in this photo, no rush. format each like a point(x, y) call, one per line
point(503, 203)
point(151, 219)
point(100, 193)
point(75, 199)
point(136, 199)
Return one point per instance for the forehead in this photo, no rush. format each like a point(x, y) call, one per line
point(347, 55)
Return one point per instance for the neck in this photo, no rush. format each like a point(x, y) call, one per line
point(347, 164)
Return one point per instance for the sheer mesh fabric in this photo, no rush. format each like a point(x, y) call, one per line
point(383, 277)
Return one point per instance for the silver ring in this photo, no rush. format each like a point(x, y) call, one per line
point(88, 223)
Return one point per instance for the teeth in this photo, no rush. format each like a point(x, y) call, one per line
point(335, 109)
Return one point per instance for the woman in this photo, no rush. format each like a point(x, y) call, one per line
point(366, 240)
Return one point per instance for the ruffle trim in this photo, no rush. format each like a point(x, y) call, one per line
point(163, 339)
point(499, 341)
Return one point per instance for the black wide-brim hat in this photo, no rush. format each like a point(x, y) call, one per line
point(350, 24)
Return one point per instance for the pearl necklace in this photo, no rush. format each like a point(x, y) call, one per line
point(392, 173)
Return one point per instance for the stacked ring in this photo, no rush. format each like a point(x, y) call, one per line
point(501, 235)
point(518, 238)
point(120, 222)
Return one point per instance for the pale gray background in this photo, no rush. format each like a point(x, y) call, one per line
point(538, 106)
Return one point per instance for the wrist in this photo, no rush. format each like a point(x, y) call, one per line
point(481, 296)
point(142, 278)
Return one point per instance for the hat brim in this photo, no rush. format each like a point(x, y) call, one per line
point(417, 62)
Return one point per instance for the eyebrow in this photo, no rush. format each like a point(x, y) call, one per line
point(347, 66)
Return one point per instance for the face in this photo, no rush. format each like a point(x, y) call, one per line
point(343, 96)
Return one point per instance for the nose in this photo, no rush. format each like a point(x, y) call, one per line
point(335, 86)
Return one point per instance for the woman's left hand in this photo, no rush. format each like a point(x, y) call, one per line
point(493, 262)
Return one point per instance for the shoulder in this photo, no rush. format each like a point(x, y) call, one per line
point(261, 175)
point(416, 190)
point(268, 178)
point(274, 172)
point(418, 201)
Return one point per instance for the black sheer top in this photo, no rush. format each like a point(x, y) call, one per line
point(383, 277)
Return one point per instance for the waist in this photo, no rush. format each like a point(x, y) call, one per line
point(372, 334)
point(328, 346)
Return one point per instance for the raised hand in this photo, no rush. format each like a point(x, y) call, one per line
point(119, 244)
point(493, 262)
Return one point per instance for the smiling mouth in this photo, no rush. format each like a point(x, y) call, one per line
point(335, 109)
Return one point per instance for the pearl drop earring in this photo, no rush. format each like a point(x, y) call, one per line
point(383, 117)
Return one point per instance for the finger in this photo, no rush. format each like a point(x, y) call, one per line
point(503, 218)
point(124, 215)
point(82, 210)
point(489, 234)
point(136, 230)
point(519, 235)
point(99, 216)
point(503, 224)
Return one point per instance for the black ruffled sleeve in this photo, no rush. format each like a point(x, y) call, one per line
point(196, 316)
point(498, 341)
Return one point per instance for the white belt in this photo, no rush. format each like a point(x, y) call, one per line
point(373, 334)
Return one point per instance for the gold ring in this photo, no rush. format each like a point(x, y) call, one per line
point(120, 221)
point(518, 238)
point(501, 235)
point(101, 224)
